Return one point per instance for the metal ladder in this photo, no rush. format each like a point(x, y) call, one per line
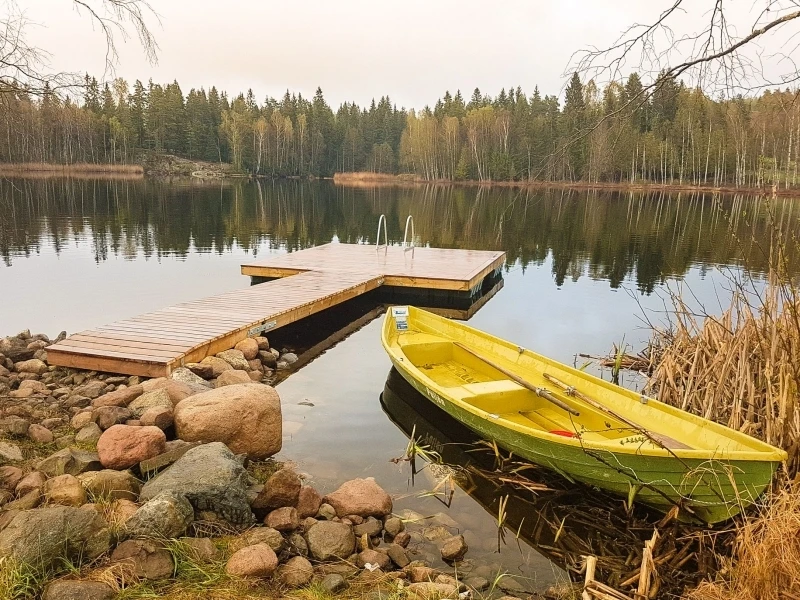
point(407, 244)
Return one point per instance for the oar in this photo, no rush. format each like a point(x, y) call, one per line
point(541, 392)
point(657, 438)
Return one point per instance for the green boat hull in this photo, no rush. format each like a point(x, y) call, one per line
point(708, 490)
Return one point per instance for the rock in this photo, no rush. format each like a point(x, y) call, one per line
point(428, 590)
point(34, 480)
point(26, 501)
point(39, 434)
point(234, 358)
point(334, 583)
point(289, 358)
point(361, 497)
point(65, 490)
point(120, 511)
point(145, 558)
point(393, 525)
point(454, 548)
point(204, 371)
point(81, 419)
point(281, 489)
point(168, 515)
point(89, 434)
point(511, 586)
point(201, 550)
point(246, 417)
point(398, 555)
point(47, 536)
point(33, 365)
point(326, 512)
point(70, 461)
point(283, 519)
point(308, 502)
point(52, 423)
point(10, 452)
point(121, 397)
point(264, 535)
point(371, 527)
point(159, 398)
point(15, 425)
point(36, 386)
point(402, 539)
point(248, 347)
point(232, 377)
point(419, 573)
point(110, 485)
point(479, 584)
point(158, 416)
point(373, 558)
point(152, 465)
point(108, 416)
point(296, 572)
point(255, 376)
point(252, 561)
point(328, 540)
point(122, 446)
point(10, 477)
point(211, 478)
point(217, 365)
point(268, 359)
point(296, 545)
point(177, 390)
point(186, 376)
point(91, 390)
point(78, 590)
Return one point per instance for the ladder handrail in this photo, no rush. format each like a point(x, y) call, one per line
point(409, 220)
point(382, 219)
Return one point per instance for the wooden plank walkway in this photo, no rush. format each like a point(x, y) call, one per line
point(155, 343)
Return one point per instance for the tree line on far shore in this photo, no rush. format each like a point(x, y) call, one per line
point(676, 135)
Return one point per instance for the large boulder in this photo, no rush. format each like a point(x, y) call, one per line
point(246, 417)
point(159, 398)
point(211, 478)
point(44, 537)
point(362, 497)
point(165, 516)
point(248, 347)
point(123, 446)
point(330, 540)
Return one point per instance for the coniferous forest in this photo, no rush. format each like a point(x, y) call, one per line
point(676, 135)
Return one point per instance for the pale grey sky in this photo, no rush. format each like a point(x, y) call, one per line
point(354, 49)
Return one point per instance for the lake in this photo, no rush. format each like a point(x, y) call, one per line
point(585, 270)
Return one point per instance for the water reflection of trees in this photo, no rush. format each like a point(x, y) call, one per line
point(606, 236)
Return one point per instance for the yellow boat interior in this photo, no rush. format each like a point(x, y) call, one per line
point(467, 366)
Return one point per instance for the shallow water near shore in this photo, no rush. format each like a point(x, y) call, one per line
point(583, 270)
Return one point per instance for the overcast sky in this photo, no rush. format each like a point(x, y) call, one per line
point(354, 49)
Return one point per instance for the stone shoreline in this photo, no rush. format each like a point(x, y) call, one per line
point(125, 479)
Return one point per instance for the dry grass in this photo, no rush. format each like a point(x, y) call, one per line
point(741, 369)
point(90, 170)
point(766, 560)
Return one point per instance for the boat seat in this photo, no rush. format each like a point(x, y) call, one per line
point(498, 386)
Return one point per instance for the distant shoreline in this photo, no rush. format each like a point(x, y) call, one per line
point(203, 171)
point(371, 180)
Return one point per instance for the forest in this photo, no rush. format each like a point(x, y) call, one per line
point(674, 135)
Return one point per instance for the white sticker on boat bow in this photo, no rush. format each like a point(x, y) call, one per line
point(400, 315)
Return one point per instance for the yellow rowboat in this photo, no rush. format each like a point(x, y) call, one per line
point(578, 425)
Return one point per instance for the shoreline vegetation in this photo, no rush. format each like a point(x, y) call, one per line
point(173, 166)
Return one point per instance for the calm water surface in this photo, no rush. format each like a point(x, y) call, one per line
point(583, 268)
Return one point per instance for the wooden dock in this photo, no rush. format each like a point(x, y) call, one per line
point(308, 281)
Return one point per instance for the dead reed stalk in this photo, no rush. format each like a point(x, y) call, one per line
point(741, 369)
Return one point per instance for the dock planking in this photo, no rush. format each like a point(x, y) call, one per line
point(305, 282)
